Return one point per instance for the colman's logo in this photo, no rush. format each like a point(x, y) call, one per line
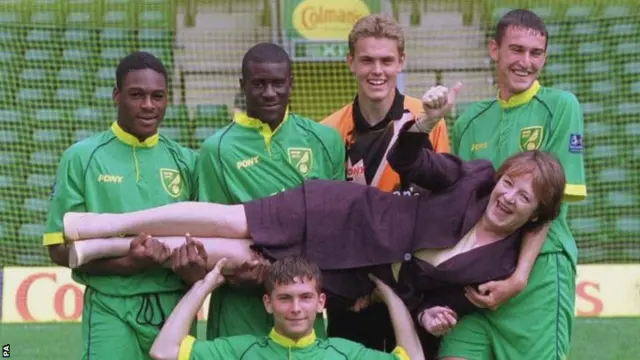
point(327, 19)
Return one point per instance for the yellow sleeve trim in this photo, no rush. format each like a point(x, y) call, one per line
point(400, 353)
point(185, 347)
point(52, 239)
point(575, 193)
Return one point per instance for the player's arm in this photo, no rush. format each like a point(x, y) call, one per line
point(566, 143)
point(174, 342)
point(439, 137)
point(408, 343)
point(68, 196)
point(427, 169)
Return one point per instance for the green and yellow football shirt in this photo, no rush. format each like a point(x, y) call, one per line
point(245, 161)
point(540, 118)
point(114, 172)
point(276, 346)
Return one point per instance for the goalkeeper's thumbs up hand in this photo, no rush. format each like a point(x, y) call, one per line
point(436, 103)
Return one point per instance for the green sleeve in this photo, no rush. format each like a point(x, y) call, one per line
point(211, 187)
point(68, 195)
point(339, 158)
point(566, 143)
point(219, 349)
point(190, 158)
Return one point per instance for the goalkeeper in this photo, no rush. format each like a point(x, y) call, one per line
point(126, 168)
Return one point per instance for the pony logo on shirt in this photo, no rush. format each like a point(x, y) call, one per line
point(171, 181)
point(301, 159)
point(531, 138)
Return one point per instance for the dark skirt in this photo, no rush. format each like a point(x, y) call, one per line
point(347, 229)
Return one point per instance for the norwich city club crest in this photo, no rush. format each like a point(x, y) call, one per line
point(171, 181)
point(531, 138)
point(301, 159)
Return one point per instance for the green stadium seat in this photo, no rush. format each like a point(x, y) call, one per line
point(594, 48)
point(632, 68)
point(587, 225)
point(623, 29)
point(113, 55)
point(81, 38)
point(627, 108)
point(118, 4)
point(10, 17)
point(11, 161)
point(35, 209)
point(41, 183)
point(586, 29)
point(545, 12)
point(9, 36)
point(556, 49)
point(613, 175)
point(88, 118)
point(29, 97)
point(634, 88)
point(106, 76)
point(10, 118)
point(42, 38)
point(117, 37)
point(155, 37)
point(559, 69)
point(82, 18)
point(46, 18)
point(616, 11)
point(119, 18)
point(604, 88)
point(580, 12)
point(176, 115)
point(44, 161)
point(156, 19)
point(70, 97)
point(10, 138)
point(212, 114)
point(103, 96)
point(40, 56)
point(35, 76)
point(109, 115)
point(598, 68)
point(629, 48)
point(8, 58)
point(179, 134)
point(75, 76)
point(77, 57)
point(9, 208)
point(628, 224)
point(30, 252)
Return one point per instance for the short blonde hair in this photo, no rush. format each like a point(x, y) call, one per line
point(378, 26)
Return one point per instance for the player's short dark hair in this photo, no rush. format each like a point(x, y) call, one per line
point(521, 18)
point(264, 53)
point(138, 60)
point(291, 269)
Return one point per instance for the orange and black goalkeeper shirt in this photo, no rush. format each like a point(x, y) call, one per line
point(367, 146)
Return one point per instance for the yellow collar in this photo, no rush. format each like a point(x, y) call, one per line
point(131, 140)
point(284, 341)
point(520, 99)
point(241, 118)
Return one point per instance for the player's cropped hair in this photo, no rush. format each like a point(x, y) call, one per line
point(521, 18)
point(264, 53)
point(548, 181)
point(292, 269)
point(138, 60)
point(378, 26)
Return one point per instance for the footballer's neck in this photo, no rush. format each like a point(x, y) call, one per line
point(374, 111)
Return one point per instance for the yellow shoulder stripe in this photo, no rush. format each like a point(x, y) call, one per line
point(185, 347)
point(400, 353)
point(52, 239)
point(575, 193)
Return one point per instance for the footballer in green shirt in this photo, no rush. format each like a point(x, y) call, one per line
point(292, 296)
point(126, 168)
point(263, 151)
point(532, 312)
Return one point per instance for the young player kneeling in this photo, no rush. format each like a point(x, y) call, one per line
point(293, 296)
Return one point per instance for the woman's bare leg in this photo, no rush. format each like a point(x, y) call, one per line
point(198, 219)
point(236, 251)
